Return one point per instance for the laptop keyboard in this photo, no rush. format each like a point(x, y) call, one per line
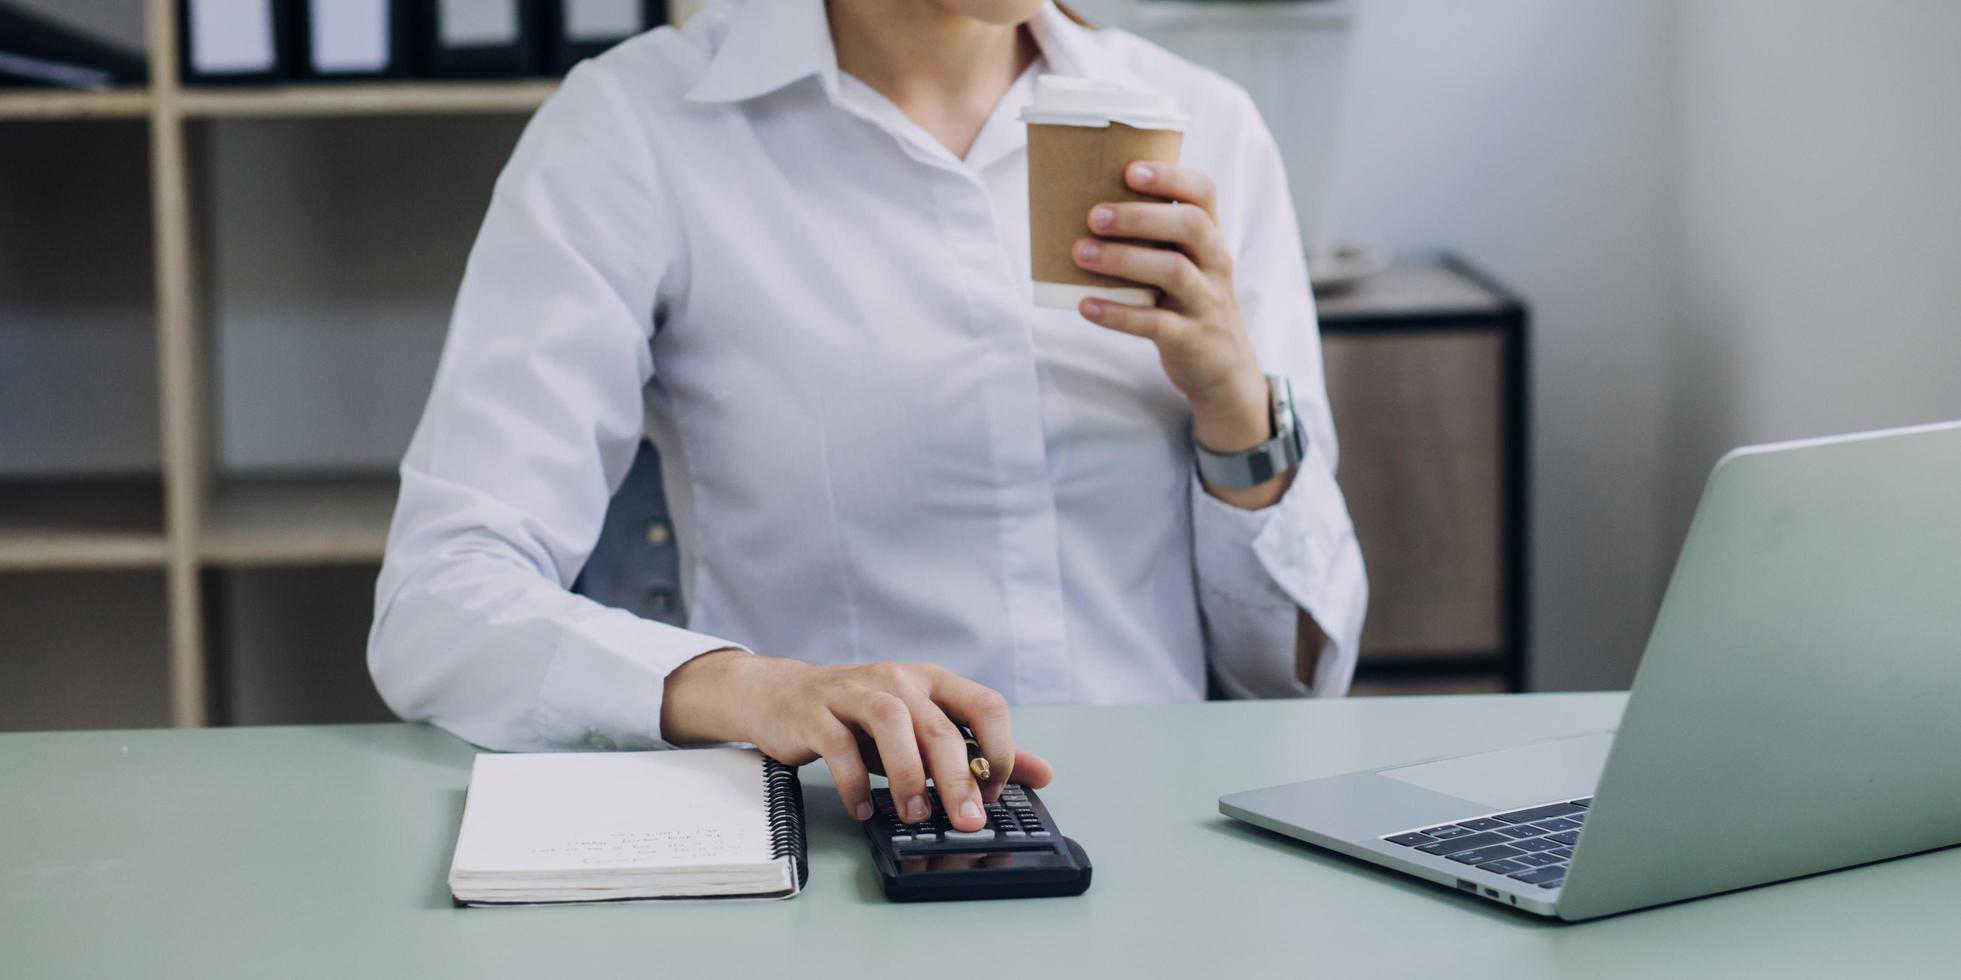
point(1532, 845)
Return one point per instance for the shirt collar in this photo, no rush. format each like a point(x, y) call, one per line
point(772, 43)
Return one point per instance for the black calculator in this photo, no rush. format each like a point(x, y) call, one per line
point(1019, 854)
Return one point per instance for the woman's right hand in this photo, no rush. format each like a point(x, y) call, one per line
point(897, 719)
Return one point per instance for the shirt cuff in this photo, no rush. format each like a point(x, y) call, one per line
point(1299, 553)
point(608, 676)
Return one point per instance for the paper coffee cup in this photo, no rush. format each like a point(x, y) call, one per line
point(1082, 133)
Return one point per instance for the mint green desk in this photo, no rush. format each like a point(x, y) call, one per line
point(321, 852)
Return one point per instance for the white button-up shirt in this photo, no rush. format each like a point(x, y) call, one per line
point(876, 446)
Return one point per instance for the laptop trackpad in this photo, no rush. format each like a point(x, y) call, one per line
point(1536, 772)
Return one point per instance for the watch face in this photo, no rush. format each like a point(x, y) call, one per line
point(1284, 420)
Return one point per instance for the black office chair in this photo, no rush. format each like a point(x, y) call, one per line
point(636, 565)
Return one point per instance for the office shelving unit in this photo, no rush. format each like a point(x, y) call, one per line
point(190, 520)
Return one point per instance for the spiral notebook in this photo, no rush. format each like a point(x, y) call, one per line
point(628, 826)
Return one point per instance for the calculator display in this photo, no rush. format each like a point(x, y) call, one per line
point(979, 861)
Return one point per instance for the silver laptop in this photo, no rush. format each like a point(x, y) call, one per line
point(1798, 709)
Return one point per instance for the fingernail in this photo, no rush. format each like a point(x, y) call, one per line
point(862, 811)
point(917, 810)
point(1101, 217)
point(1088, 251)
point(1092, 307)
point(970, 810)
point(1140, 173)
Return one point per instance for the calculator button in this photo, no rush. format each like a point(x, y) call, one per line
point(1039, 833)
point(901, 838)
point(984, 833)
point(926, 836)
point(1014, 834)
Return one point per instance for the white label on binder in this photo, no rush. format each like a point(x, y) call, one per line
point(232, 37)
point(476, 23)
point(349, 35)
point(595, 21)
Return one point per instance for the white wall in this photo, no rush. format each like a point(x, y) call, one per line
point(1737, 221)
point(1537, 139)
point(1820, 265)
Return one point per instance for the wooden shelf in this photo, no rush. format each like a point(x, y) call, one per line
point(351, 99)
point(187, 520)
point(46, 104)
point(81, 524)
point(295, 520)
point(368, 99)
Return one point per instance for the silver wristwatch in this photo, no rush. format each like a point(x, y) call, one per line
point(1266, 460)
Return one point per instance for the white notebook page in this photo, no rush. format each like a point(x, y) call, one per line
point(586, 811)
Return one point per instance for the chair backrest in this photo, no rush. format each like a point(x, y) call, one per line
point(636, 565)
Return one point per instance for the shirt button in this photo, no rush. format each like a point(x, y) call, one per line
point(660, 602)
point(659, 534)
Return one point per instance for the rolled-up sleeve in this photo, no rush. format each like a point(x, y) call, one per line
point(532, 423)
point(1257, 570)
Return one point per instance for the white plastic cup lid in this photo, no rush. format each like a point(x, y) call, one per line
point(1065, 100)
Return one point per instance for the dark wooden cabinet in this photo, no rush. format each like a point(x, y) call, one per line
point(1426, 370)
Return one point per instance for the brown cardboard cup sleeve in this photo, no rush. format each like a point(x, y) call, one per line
point(1081, 136)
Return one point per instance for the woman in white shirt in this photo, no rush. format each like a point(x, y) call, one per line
point(789, 242)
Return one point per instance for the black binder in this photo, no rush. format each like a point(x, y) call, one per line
point(579, 29)
point(216, 44)
point(37, 51)
point(479, 38)
point(355, 38)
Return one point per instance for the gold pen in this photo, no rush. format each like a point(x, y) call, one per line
point(976, 762)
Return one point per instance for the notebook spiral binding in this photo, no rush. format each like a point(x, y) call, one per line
point(786, 832)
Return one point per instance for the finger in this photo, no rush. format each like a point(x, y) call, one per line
point(946, 758)
point(1032, 770)
point(1169, 270)
point(1191, 229)
point(1173, 182)
point(1148, 322)
point(985, 711)
point(834, 741)
point(886, 718)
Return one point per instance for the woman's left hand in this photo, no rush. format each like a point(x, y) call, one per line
point(1195, 325)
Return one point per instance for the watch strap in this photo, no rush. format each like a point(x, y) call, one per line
point(1280, 454)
